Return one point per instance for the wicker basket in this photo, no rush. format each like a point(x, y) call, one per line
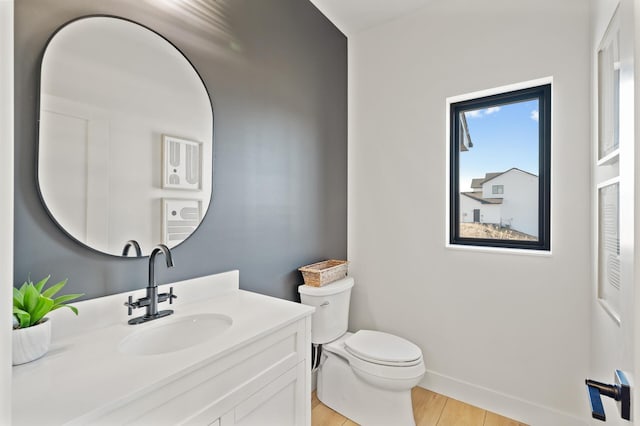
point(321, 273)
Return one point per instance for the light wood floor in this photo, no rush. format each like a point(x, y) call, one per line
point(429, 409)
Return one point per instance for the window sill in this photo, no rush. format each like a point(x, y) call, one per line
point(500, 250)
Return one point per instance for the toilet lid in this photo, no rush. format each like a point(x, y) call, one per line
point(383, 348)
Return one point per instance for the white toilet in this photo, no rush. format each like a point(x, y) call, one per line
point(366, 376)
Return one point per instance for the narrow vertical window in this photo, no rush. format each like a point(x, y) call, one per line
point(500, 170)
point(609, 92)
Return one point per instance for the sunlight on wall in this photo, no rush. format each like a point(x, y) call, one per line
point(209, 18)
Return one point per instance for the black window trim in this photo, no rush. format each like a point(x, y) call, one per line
point(543, 94)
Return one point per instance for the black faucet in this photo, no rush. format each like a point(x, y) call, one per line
point(135, 245)
point(153, 298)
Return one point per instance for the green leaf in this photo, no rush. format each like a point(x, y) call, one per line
point(30, 298)
point(31, 304)
point(54, 289)
point(17, 304)
point(18, 298)
point(41, 284)
point(73, 308)
point(60, 300)
point(43, 307)
point(22, 316)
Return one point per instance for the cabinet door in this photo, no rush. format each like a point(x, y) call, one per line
point(280, 403)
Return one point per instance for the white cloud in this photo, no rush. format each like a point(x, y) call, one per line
point(479, 113)
point(535, 115)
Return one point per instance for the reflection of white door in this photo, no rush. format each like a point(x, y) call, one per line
point(74, 179)
point(614, 319)
point(65, 174)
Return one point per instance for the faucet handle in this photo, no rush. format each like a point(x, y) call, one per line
point(131, 305)
point(163, 297)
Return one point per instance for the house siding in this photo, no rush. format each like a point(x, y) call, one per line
point(489, 213)
point(519, 208)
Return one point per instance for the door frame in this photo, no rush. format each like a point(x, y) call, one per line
point(6, 202)
point(616, 343)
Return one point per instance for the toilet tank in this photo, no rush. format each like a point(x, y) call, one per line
point(331, 318)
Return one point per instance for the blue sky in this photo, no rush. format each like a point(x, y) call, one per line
point(503, 137)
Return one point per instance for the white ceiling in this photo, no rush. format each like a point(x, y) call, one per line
point(352, 16)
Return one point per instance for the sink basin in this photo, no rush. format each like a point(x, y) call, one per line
point(174, 334)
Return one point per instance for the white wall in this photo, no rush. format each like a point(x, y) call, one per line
point(467, 206)
point(6, 204)
point(520, 200)
point(515, 342)
point(489, 213)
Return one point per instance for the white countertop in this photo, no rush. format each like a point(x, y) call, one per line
point(84, 372)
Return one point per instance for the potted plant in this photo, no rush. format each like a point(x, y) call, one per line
point(31, 328)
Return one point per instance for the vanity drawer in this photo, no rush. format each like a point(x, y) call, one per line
point(202, 395)
point(280, 402)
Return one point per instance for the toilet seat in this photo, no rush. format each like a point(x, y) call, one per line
point(383, 348)
point(379, 372)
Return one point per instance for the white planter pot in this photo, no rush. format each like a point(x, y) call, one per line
point(31, 343)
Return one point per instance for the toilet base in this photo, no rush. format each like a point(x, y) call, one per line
point(342, 390)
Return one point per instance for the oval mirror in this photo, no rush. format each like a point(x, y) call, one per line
point(125, 146)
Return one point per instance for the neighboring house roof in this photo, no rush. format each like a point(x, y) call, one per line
point(488, 178)
point(478, 182)
point(477, 195)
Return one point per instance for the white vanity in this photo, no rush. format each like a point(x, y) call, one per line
point(253, 368)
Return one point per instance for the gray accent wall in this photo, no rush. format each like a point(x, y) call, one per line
point(277, 74)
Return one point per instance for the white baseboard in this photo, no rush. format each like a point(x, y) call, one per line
point(499, 403)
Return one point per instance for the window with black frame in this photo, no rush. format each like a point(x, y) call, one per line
point(500, 170)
